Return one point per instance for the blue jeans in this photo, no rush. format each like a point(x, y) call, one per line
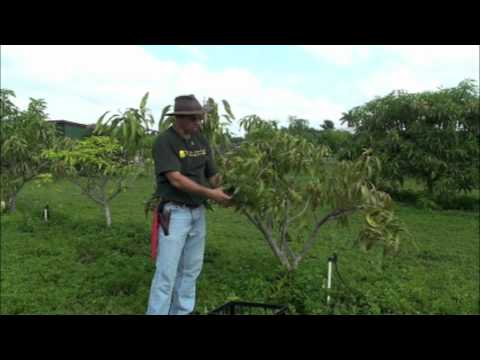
point(179, 262)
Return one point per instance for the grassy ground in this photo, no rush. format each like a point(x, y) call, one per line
point(75, 265)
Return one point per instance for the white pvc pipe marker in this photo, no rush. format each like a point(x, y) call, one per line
point(329, 281)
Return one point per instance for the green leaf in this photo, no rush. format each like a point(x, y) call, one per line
point(165, 110)
point(143, 103)
point(227, 108)
point(99, 124)
point(371, 221)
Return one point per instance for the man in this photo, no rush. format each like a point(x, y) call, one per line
point(186, 177)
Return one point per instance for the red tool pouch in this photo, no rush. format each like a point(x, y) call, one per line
point(154, 234)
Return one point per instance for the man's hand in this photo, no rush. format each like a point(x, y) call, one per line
point(219, 196)
point(183, 183)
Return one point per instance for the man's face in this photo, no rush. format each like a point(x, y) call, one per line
point(190, 123)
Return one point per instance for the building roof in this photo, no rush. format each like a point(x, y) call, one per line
point(72, 123)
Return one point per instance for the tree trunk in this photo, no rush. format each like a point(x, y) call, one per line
point(291, 267)
point(13, 202)
point(282, 256)
point(430, 187)
point(108, 214)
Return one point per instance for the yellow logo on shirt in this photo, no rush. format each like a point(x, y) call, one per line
point(193, 153)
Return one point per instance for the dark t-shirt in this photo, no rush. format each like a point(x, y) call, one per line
point(192, 158)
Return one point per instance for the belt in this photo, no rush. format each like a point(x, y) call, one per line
point(190, 206)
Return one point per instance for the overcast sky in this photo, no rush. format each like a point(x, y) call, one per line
point(80, 83)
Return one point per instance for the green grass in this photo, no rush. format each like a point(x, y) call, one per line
point(75, 265)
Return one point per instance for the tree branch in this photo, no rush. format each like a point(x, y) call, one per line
point(313, 237)
point(289, 251)
point(250, 217)
point(267, 233)
point(284, 226)
point(86, 192)
point(40, 167)
point(118, 191)
point(17, 189)
point(301, 212)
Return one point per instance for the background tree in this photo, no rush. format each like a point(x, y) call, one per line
point(130, 128)
point(432, 136)
point(23, 136)
point(133, 129)
point(301, 127)
point(214, 129)
point(338, 141)
point(328, 125)
point(165, 121)
point(98, 165)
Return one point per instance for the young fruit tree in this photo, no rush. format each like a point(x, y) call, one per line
point(214, 129)
point(289, 189)
point(23, 136)
point(130, 128)
point(98, 165)
point(133, 129)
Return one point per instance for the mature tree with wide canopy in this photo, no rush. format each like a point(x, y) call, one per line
point(432, 136)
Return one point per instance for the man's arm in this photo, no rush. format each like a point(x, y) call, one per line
point(184, 184)
point(215, 181)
